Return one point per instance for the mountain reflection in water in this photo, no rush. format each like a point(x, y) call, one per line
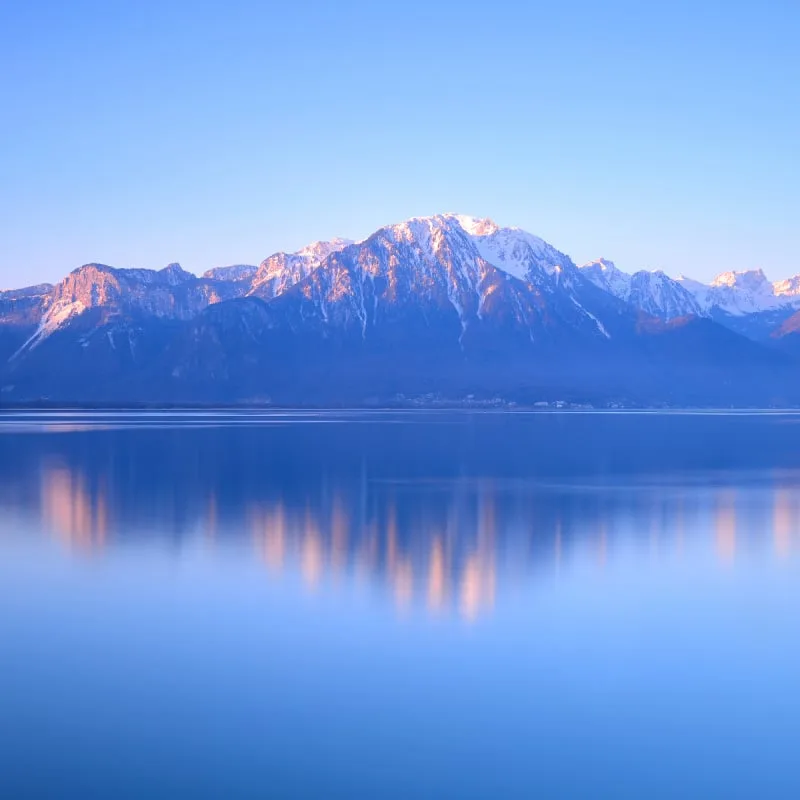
point(427, 605)
point(442, 512)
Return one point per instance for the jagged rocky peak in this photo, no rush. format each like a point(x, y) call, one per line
point(602, 265)
point(89, 283)
point(417, 228)
point(789, 287)
point(737, 292)
point(427, 234)
point(745, 292)
point(512, 250)
point(174, 274)
point(657, 294)
point(745, 279)
point(606, 275)
point(283, 270)
point(651, 291)
point(92, 267)
point(318, 251)
point(734, 292)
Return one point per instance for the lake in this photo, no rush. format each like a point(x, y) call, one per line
point(427, 605)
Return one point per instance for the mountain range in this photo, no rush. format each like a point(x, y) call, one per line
point(447, 306)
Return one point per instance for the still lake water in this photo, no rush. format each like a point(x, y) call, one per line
point(399, 605)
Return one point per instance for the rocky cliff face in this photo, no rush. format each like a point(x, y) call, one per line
point(170, 293)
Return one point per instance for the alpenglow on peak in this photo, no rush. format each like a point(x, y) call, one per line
point(449, 253)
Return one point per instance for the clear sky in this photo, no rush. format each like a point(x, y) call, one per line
point(662, 134)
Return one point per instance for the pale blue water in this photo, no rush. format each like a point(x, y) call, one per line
point(387, 605)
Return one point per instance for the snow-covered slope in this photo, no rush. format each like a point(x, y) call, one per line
point(513, 250)
point(652, 292)
point(657, 294)
point(235, 272)
point(743, 293)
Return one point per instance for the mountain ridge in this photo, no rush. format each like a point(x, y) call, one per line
point(442, 303)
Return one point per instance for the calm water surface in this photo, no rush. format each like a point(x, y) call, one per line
point(388, 605)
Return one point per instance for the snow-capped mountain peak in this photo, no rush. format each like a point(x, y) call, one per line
point(752, 279)
point(732, 292)
point(788, 288)
point(467, 263)
point(737, 292)
point(606, 275)
point(657, 294)
point(318, 251)
point(425, 229)
point(282, 270)
point(475, 226)
point(650, 291)
point(603, 265)
point(174, 274)
point(512, 250)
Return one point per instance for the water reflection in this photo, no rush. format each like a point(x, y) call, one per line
point(553, 606)
point(425, 526)
point(786, 520)
point(71, 510)
point(445, 559)
point(725, 524)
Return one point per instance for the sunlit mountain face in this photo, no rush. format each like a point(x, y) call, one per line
point(449, 306)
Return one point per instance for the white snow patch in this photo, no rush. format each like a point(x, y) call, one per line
point(600, 326)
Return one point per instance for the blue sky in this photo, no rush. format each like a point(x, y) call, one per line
point(661, 135)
